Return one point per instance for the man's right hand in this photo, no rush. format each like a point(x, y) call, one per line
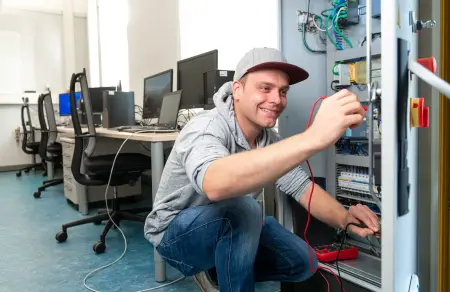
point(338, 112)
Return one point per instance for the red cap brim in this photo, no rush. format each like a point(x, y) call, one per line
point(295, 73)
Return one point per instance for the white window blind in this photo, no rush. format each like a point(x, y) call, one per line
point(233, 27)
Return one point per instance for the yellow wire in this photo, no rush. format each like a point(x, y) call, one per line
point(378, 130)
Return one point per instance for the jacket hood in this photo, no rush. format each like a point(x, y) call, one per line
point(223, 100)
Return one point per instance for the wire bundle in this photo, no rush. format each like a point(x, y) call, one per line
point(332, 21)
point(304, 27)
point(351, 148)
point(334, 15)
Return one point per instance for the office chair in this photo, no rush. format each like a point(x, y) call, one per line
point(49, 149)
point(92, 170)
point(29, 145)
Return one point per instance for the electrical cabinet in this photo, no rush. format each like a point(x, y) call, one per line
point(376, 164)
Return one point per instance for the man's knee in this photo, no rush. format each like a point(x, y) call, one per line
point(245, 209)
point(242, 217)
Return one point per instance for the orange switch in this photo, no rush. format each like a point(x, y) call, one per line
point(429, 63)
point(419, 116)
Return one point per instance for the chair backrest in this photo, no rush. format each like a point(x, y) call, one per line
point(27, 126)
point(84, 142)
point(47, 123)
point(44, 130)
point(50, 118)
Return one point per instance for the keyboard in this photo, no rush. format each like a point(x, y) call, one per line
point(133, 129)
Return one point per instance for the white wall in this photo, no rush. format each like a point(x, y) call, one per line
point(200, 30)
point(41, 29)
point(10, 150)
point(48, 6)
point(153, 41)
point(39, 52)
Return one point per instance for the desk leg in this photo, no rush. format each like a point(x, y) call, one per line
point(50, 170)
point(81, 193)
point(157, 155)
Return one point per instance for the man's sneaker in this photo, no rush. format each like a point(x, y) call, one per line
point(205, 283)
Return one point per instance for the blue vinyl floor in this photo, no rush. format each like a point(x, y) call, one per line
point(32, 260)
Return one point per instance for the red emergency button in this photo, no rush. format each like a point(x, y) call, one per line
point(429, 63)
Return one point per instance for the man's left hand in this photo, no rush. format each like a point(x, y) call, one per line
point(363, 216)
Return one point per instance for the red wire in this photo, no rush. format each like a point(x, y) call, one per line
point(309, 211)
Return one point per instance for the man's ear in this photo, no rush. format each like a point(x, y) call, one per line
point(237, 88)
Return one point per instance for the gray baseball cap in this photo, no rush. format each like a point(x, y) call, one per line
point(268, 58)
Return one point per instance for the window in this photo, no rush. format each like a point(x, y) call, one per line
point(113, 22)
point(233, 27)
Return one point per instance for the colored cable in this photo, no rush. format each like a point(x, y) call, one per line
point(306, 44)
point(310, 250)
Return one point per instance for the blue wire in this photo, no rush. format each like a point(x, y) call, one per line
point(362, 150)
point(347, 150)
point(335, 10)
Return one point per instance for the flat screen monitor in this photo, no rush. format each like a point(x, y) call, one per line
point(190, 78)
point(96, 96)
point(155, 87)
point(64, 103)
point(169, 109)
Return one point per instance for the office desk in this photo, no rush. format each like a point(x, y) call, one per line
point(157, 156)
point(142, 137)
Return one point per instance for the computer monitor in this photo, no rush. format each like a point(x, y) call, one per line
point(64, 103)
point(96, 95)
point(155, 87)
point(169, 109)
point(190, 78)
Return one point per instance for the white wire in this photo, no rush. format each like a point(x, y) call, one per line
point(337, 15)
point(120, 230)
point(321, 29)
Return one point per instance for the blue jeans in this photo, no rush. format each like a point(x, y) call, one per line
point(229, 235)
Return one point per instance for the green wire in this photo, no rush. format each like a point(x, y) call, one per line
point(342, 15)
point(319, 18)
point(326, 10)
point(334, 67)
point(339, 32)
point(306, 45)
point(326, 30)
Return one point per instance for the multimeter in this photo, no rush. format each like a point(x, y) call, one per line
point(328, 253)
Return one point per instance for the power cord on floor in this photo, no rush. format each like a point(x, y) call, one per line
point(120, 230)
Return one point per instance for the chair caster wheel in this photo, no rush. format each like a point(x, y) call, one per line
point(99, 247)
point(37, 195)
point(18, 174)
point(26, 171)
point(61, 236)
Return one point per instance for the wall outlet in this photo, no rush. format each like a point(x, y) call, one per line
point(303, 18)
point(17, 134)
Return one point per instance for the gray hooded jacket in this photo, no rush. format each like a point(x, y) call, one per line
point(209, 136)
